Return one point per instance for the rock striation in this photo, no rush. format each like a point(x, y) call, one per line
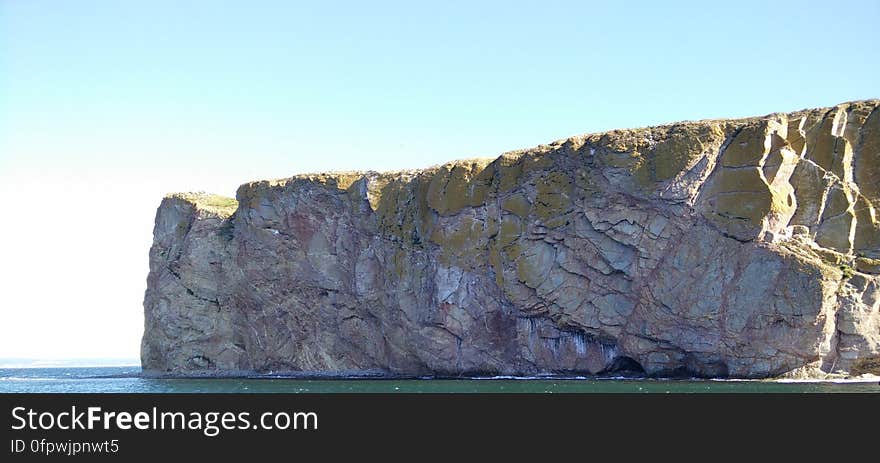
point(720, 248)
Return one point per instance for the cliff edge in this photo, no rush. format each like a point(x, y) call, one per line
point(720, 248)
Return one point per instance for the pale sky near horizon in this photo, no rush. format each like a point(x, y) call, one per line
point(105, 106)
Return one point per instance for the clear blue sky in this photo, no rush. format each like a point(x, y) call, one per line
point(105, 105)
point(298, 86)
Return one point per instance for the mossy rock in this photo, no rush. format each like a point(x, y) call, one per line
point(810, 183)
point(510, 231)
point(458, 185)
point(510, 171)
point(867, 169)
point(658, 154)
point(748, 206)
point(556, 222)
point(747, 148)
point(517, 204)
point(221, 206)
point(867, 236)
point(870, 365)
point(829, 256)
point(338, 180)
point(387, 208)
point(683, 145)
point(628, 160)
point(402, 211)
point(834, 233)
point(822, 145)
point(746, 179)
point(553, 196)
point(837, 203)
point(868, 265)
point(400, 264)
point(461, 244)
point(511, 253)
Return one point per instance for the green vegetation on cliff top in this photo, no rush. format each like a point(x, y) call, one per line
point(220, 205)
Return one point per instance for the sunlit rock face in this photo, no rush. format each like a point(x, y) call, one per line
point(742, 248)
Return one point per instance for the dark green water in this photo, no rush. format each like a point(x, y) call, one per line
point(126, 379)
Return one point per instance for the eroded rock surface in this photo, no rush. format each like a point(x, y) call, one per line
point(743, 248)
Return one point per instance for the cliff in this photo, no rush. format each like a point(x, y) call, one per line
point(743, 248)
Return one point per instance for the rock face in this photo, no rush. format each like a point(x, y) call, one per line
point(742, 248)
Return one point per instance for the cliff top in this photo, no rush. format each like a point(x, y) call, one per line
point(616, 140)
point(220, 205)
point(344, 179)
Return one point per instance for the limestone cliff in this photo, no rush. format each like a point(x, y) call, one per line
point(743, 248)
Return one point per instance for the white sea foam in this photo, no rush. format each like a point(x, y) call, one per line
point(856, 380)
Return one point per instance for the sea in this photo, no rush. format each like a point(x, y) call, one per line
point(37, 378)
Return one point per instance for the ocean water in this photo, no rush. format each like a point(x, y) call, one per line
point(127, 379)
